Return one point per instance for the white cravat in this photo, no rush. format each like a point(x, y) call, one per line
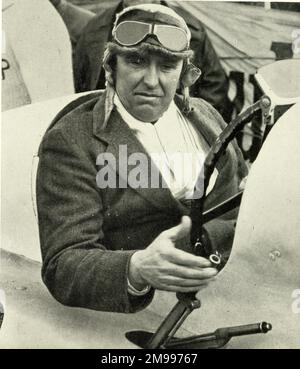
point(174, 145)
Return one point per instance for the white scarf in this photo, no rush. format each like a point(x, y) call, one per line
point(174, 145)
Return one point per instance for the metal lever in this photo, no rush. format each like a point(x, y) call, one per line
point(186, 304)
point(219, 338)
point(213, 340)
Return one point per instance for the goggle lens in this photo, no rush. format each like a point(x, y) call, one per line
point(172, 38)
point(129, 33)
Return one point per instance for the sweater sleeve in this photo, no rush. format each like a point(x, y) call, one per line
point(77, 268)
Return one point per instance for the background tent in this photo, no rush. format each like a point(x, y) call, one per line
point(247, 37)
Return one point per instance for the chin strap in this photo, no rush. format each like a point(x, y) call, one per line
point(189, 77)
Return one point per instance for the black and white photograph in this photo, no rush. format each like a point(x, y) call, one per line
point(150, 176)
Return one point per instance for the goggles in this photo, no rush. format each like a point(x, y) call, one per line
point(130, 33)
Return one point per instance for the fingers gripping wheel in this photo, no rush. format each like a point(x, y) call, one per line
point(204, 249)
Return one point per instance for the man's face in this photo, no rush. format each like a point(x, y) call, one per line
point(146, 84)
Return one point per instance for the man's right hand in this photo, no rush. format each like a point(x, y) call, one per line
point(164, 267)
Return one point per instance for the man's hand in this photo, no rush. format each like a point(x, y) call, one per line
point(166, 268)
